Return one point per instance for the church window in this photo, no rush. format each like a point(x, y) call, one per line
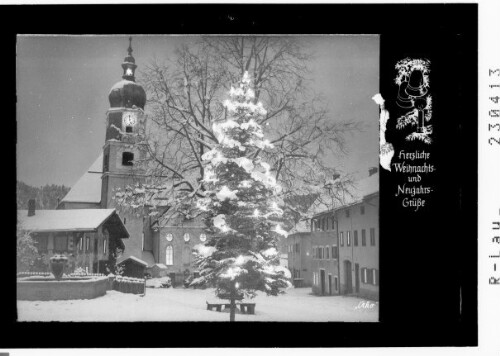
point(127, 159)
point(169, 261)
point(169, 237)
point(203, 237)
point(187, 237)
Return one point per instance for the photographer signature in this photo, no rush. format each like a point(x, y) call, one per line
point(365, 304)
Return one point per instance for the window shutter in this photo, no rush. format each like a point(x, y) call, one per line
point(370, 276)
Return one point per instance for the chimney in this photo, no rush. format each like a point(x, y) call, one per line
point(372, 171)
point(31, 207)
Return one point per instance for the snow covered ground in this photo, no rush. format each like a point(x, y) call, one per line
point(190, 305)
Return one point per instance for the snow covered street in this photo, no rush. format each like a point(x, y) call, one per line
point(190, 305)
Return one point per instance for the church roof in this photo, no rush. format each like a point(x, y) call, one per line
point(88, 188)
point(69, 220)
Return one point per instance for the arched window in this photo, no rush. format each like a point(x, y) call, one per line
point(187, 237)
point(169, 237)
point(169, 260)
point(203, 237)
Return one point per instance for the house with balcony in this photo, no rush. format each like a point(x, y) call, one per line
point(85, 236)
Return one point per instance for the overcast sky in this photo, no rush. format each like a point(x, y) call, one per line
point(63, 84)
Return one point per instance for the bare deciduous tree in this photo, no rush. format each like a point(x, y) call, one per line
point(186, 95)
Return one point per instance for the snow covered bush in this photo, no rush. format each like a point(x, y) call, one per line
point(242, 207)
point(162, 282)
point(27, 252)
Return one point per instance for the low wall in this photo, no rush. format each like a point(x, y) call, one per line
point(77, 288)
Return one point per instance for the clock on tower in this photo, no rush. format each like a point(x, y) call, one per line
point(129, 119)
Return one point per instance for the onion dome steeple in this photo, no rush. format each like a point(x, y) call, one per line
point(128, 64)
point(127, 93)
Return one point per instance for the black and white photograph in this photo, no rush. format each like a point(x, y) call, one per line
point(201, 177)
point(242, 176)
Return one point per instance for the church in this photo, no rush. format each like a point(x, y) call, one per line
point(156, 245)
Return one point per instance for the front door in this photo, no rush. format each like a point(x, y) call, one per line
point(348, 277)
point(356, 277)
point(322, 278)
point(330, 291)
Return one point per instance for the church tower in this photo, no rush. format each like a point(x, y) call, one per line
point(123, 151)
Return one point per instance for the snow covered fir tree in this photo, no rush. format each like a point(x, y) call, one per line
point(241, 206)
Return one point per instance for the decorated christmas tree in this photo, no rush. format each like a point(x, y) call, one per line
point(242, 207)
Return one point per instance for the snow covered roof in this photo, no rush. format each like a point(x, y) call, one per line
point(88, 188)
point(121, 84)
point(69, 220)
point(146, 257)
point(135, 259)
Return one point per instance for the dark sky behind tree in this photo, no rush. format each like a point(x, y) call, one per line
point(63, 83)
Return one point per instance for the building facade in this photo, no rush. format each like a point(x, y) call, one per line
point(344, 245)
point(297, 248)
point(151, 241)
point(325, 262)
point(358, 231)
point(352, 242)
point(83, 235)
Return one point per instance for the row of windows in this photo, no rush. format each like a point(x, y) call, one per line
point(356, 241)
point(325, 252)
point(65, 243)
point(88, 247)
point(186, 237)
point(324, 224)
point(328, 223)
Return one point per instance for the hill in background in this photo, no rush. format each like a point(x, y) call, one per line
point(46, 197)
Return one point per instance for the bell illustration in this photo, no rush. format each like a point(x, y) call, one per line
point(403, 100)
point(416, 87)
